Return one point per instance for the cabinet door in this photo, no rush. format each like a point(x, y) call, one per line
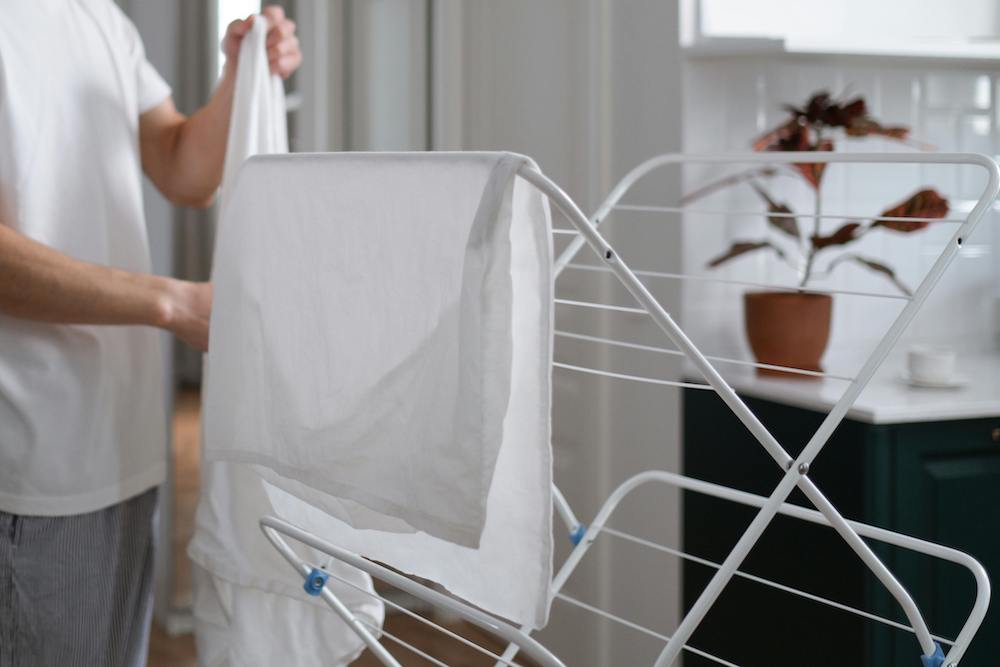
point(741, 625)
point(948, 491)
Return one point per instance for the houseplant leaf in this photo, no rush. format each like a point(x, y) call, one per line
point(743, 247)
point(866, 126)
point(926, 203)
point(794, 136)
point(813, 172)
point(784, 220)
point(853, 117)
point(845, 234)
point(804, 129)
point(784, 137)
point(874, 266)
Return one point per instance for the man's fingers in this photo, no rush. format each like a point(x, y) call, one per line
point(235, 32)
point(283, 48)
point(239, 27)
point(285, 65)
point(280, 31)
point(274, 13)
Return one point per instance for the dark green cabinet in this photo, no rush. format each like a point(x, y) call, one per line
point(938, 481)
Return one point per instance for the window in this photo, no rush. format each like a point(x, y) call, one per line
point(226, 11)
point(891, 27)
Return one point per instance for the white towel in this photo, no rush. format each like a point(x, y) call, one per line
point(384, 353)
point(249, 605)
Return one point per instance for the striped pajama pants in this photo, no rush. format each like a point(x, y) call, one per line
point(76, 591)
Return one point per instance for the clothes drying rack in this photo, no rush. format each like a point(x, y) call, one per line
point(934, 651)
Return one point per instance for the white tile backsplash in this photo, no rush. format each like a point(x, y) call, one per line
point(958, 90)
point(728, 101)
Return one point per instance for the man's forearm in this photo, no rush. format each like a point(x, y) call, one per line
point(40, 283)
point(184, 156)
point(201, 146)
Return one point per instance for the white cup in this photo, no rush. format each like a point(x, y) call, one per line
point(931, 363)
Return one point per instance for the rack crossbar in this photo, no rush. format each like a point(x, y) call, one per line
point(642, 208)
point(743, 283)
point(766, 582)
point(632, 378)
point(677, 353)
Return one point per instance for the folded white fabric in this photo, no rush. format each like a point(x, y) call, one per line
point(384, 353)
point(249, 606)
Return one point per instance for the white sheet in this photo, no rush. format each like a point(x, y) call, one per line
point(384, 353)
point(296, 633)
point(249, 605)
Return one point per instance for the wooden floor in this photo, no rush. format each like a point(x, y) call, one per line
point(164, 650)
point(167, 651)
point(434, 643)
point(187, 484)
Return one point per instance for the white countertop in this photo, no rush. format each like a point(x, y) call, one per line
point(888, 399)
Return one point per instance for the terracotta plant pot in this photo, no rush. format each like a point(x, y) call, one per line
point(787, 329)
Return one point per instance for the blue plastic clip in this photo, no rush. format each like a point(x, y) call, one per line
point(576, 535)
point(935, 660)
point(315, 582)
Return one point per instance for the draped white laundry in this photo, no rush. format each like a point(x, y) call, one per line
point(249, 605)
point(257, 123)
point(384, 353)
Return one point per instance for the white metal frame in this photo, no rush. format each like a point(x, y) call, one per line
point(795, 469)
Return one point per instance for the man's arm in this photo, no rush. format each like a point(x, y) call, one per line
point(43, 284)
point(184, 156)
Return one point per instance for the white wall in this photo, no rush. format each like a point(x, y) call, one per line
point(588, 89)
point(386, 90)
point(953, 107)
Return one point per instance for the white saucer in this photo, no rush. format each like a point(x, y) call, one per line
point(955, 382)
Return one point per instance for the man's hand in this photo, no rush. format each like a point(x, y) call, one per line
point(283, 52)
point(184, 156)
point(186, 311)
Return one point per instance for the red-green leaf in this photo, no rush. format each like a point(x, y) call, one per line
point(845, 234)
point(794, 136)
point(874, 266)
point(784, 221)
point(823, 111)
point(926, 203)
point(813, 171)
point(863, 127)
point(844, 114)
point(743, 247)
point(802, 130)
point(789, 134)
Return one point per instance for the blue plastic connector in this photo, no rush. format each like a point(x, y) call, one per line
point(936, 660)
point(315, 582)
point(576, 535)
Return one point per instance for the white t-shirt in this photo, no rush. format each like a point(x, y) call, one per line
point(82, 423)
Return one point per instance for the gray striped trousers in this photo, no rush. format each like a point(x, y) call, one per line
point(76, 591)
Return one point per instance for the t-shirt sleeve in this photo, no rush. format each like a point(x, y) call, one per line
point(151, 89)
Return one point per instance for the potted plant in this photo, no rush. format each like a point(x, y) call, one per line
point(788, 328)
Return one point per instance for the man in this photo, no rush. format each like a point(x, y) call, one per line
point(81, 405)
